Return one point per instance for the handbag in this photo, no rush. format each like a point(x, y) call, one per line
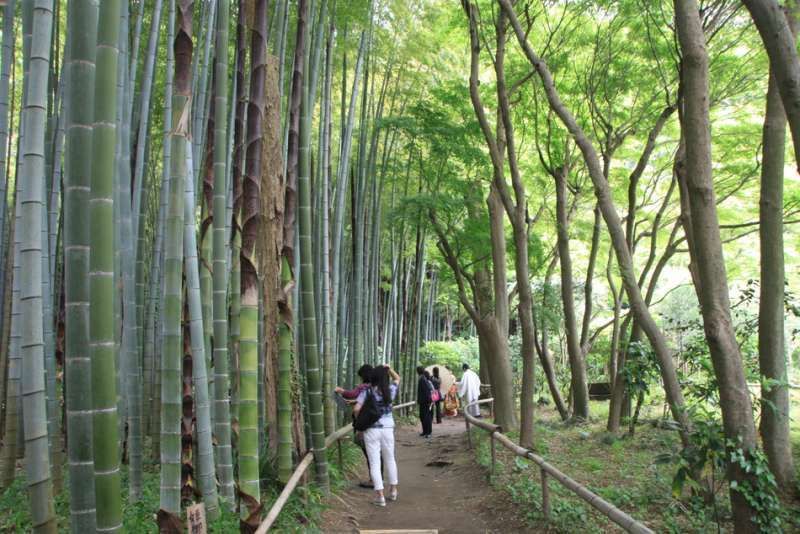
point(436, 395)
point(368, 415)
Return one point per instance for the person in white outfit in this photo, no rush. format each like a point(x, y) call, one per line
point(470, 389)
point(379, 438)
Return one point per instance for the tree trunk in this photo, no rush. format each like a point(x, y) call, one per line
point(496, 341)
point(578, 387)
point(781, 47)
point(737, 414)
point(543, 346)
point(774, 425)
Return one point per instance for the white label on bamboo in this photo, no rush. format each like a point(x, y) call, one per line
point(196, 519)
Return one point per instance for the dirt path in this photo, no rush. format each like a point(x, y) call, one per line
point(441, 489)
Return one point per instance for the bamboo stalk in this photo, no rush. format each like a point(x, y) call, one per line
point(101, 273)
point(205, 452)
point(222, 418)
point(171, 401)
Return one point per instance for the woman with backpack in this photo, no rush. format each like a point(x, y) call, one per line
point(364, 373)
point(374, 412)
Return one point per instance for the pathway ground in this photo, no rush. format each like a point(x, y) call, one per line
point(441, 489)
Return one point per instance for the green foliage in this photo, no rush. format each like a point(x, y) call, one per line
point(702, 466)
point(597, 360)
point(697, 371)
point(451, 354)
point(641, 369)
point(759, 489)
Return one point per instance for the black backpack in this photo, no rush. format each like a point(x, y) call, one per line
point(368, 415)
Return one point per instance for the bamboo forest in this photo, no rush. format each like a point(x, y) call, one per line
point(248, 247)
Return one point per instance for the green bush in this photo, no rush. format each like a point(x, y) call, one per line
point(451, 354)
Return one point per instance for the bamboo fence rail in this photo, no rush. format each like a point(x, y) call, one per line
point(547, 470)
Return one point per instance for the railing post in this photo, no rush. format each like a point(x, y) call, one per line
point(339, 452)
point(545, 496)
point(491, 440)
point(469, 437)
point(491, 409)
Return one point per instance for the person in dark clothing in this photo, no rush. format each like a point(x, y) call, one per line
point(437, 385)
point(364, 373)
point(424, 389)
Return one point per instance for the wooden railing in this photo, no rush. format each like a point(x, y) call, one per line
point(547, 471)
point(337, 437)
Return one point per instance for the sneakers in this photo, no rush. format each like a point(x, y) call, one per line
point(393, 495)
point(379, 501)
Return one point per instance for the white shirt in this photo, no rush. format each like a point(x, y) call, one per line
point(470, 385)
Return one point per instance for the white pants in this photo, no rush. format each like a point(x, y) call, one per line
point(380, 441)
point(475, 409)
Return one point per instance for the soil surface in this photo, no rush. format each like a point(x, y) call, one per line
point(442, 489)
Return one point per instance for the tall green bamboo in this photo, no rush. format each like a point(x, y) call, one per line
point(262, 355)
point(5, 331)
point(37, 454)
point(132, 66)
point(299, 135)
point(259, 136)
point(342, 178)
point(55, 443)
point(157, 279)
point(172, 348)
point(222, 429)
point(142, 130)
point(120, 242)
point(130, 368)
point(285, 311)
point(200, 78)
point(5, 76)
point(82, 35)
point(8, 460)
point(204, 467)
point(206, 293)
point(101, 273)
point(233, 240)
point(285, 338)
point(16, 330)
point(325, 151)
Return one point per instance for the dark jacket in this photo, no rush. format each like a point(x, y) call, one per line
point(424, 389)
point(436, 382)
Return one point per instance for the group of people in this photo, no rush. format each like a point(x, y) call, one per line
point(430, 396)
point(378, 387)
